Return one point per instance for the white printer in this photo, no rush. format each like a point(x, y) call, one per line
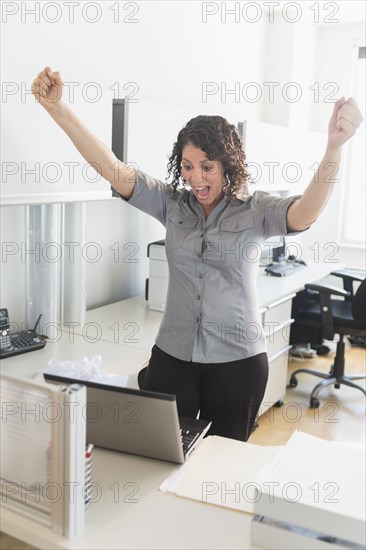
point(157, 283)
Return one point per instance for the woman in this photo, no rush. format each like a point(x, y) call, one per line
point(210, 350)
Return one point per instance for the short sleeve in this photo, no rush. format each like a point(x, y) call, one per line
point(149, 196)
point(273, 211)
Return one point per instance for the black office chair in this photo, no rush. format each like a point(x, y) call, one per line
point(345, 317)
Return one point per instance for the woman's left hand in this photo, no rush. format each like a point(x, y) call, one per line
point(344, 122)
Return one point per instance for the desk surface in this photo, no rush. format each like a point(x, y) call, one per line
point(115, 360)
point(156, 520)
point(131, 323)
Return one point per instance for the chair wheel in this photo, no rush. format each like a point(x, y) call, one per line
point(279, 403)
point(337, 386)
point(322, 350)
point(314, 403)
point(293, 382)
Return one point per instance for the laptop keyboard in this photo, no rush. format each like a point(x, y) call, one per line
point(188, 439)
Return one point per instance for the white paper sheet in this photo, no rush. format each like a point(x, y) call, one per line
point(221, 472)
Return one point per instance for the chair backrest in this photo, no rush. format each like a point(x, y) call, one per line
point(359, 305)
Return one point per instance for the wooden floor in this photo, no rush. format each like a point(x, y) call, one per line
point(340, 416)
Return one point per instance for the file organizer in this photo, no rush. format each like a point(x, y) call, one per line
point(43, 457)
point(88, 474)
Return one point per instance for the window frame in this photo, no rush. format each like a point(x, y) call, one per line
point(358, 72)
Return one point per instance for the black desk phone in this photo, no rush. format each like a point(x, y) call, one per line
point(18, 342)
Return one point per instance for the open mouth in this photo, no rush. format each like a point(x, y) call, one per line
point(202, 192)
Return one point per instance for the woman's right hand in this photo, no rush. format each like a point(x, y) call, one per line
point(47, 88)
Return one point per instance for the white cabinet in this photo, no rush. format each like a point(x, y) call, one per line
point(157, 283)
point(276, 322)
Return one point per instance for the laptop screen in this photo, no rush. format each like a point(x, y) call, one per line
point(130, 420)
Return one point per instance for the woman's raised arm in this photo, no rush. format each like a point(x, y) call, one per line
point(47, 88)
point(345, 120)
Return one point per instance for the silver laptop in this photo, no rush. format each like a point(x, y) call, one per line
point(137, 421)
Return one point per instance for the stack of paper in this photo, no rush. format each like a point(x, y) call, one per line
point(311, 495)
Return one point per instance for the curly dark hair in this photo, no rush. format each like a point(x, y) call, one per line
point(221, 141)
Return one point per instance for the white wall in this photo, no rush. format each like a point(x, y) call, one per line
point(166, 56)
point(317, 57)
point(169, 55)
point(336, 47)
point(13, 258)
point(175, 53)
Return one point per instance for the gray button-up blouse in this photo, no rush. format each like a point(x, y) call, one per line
point(212, 312)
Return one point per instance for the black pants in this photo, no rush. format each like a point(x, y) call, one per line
point(228, 394)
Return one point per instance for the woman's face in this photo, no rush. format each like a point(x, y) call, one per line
point(204, 176)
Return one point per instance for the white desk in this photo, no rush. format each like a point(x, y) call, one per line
point(115, 359)
point(130, 322)
point(156, 520)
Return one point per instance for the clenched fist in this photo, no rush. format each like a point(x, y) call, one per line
point(344, 123)
point(47, 88)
